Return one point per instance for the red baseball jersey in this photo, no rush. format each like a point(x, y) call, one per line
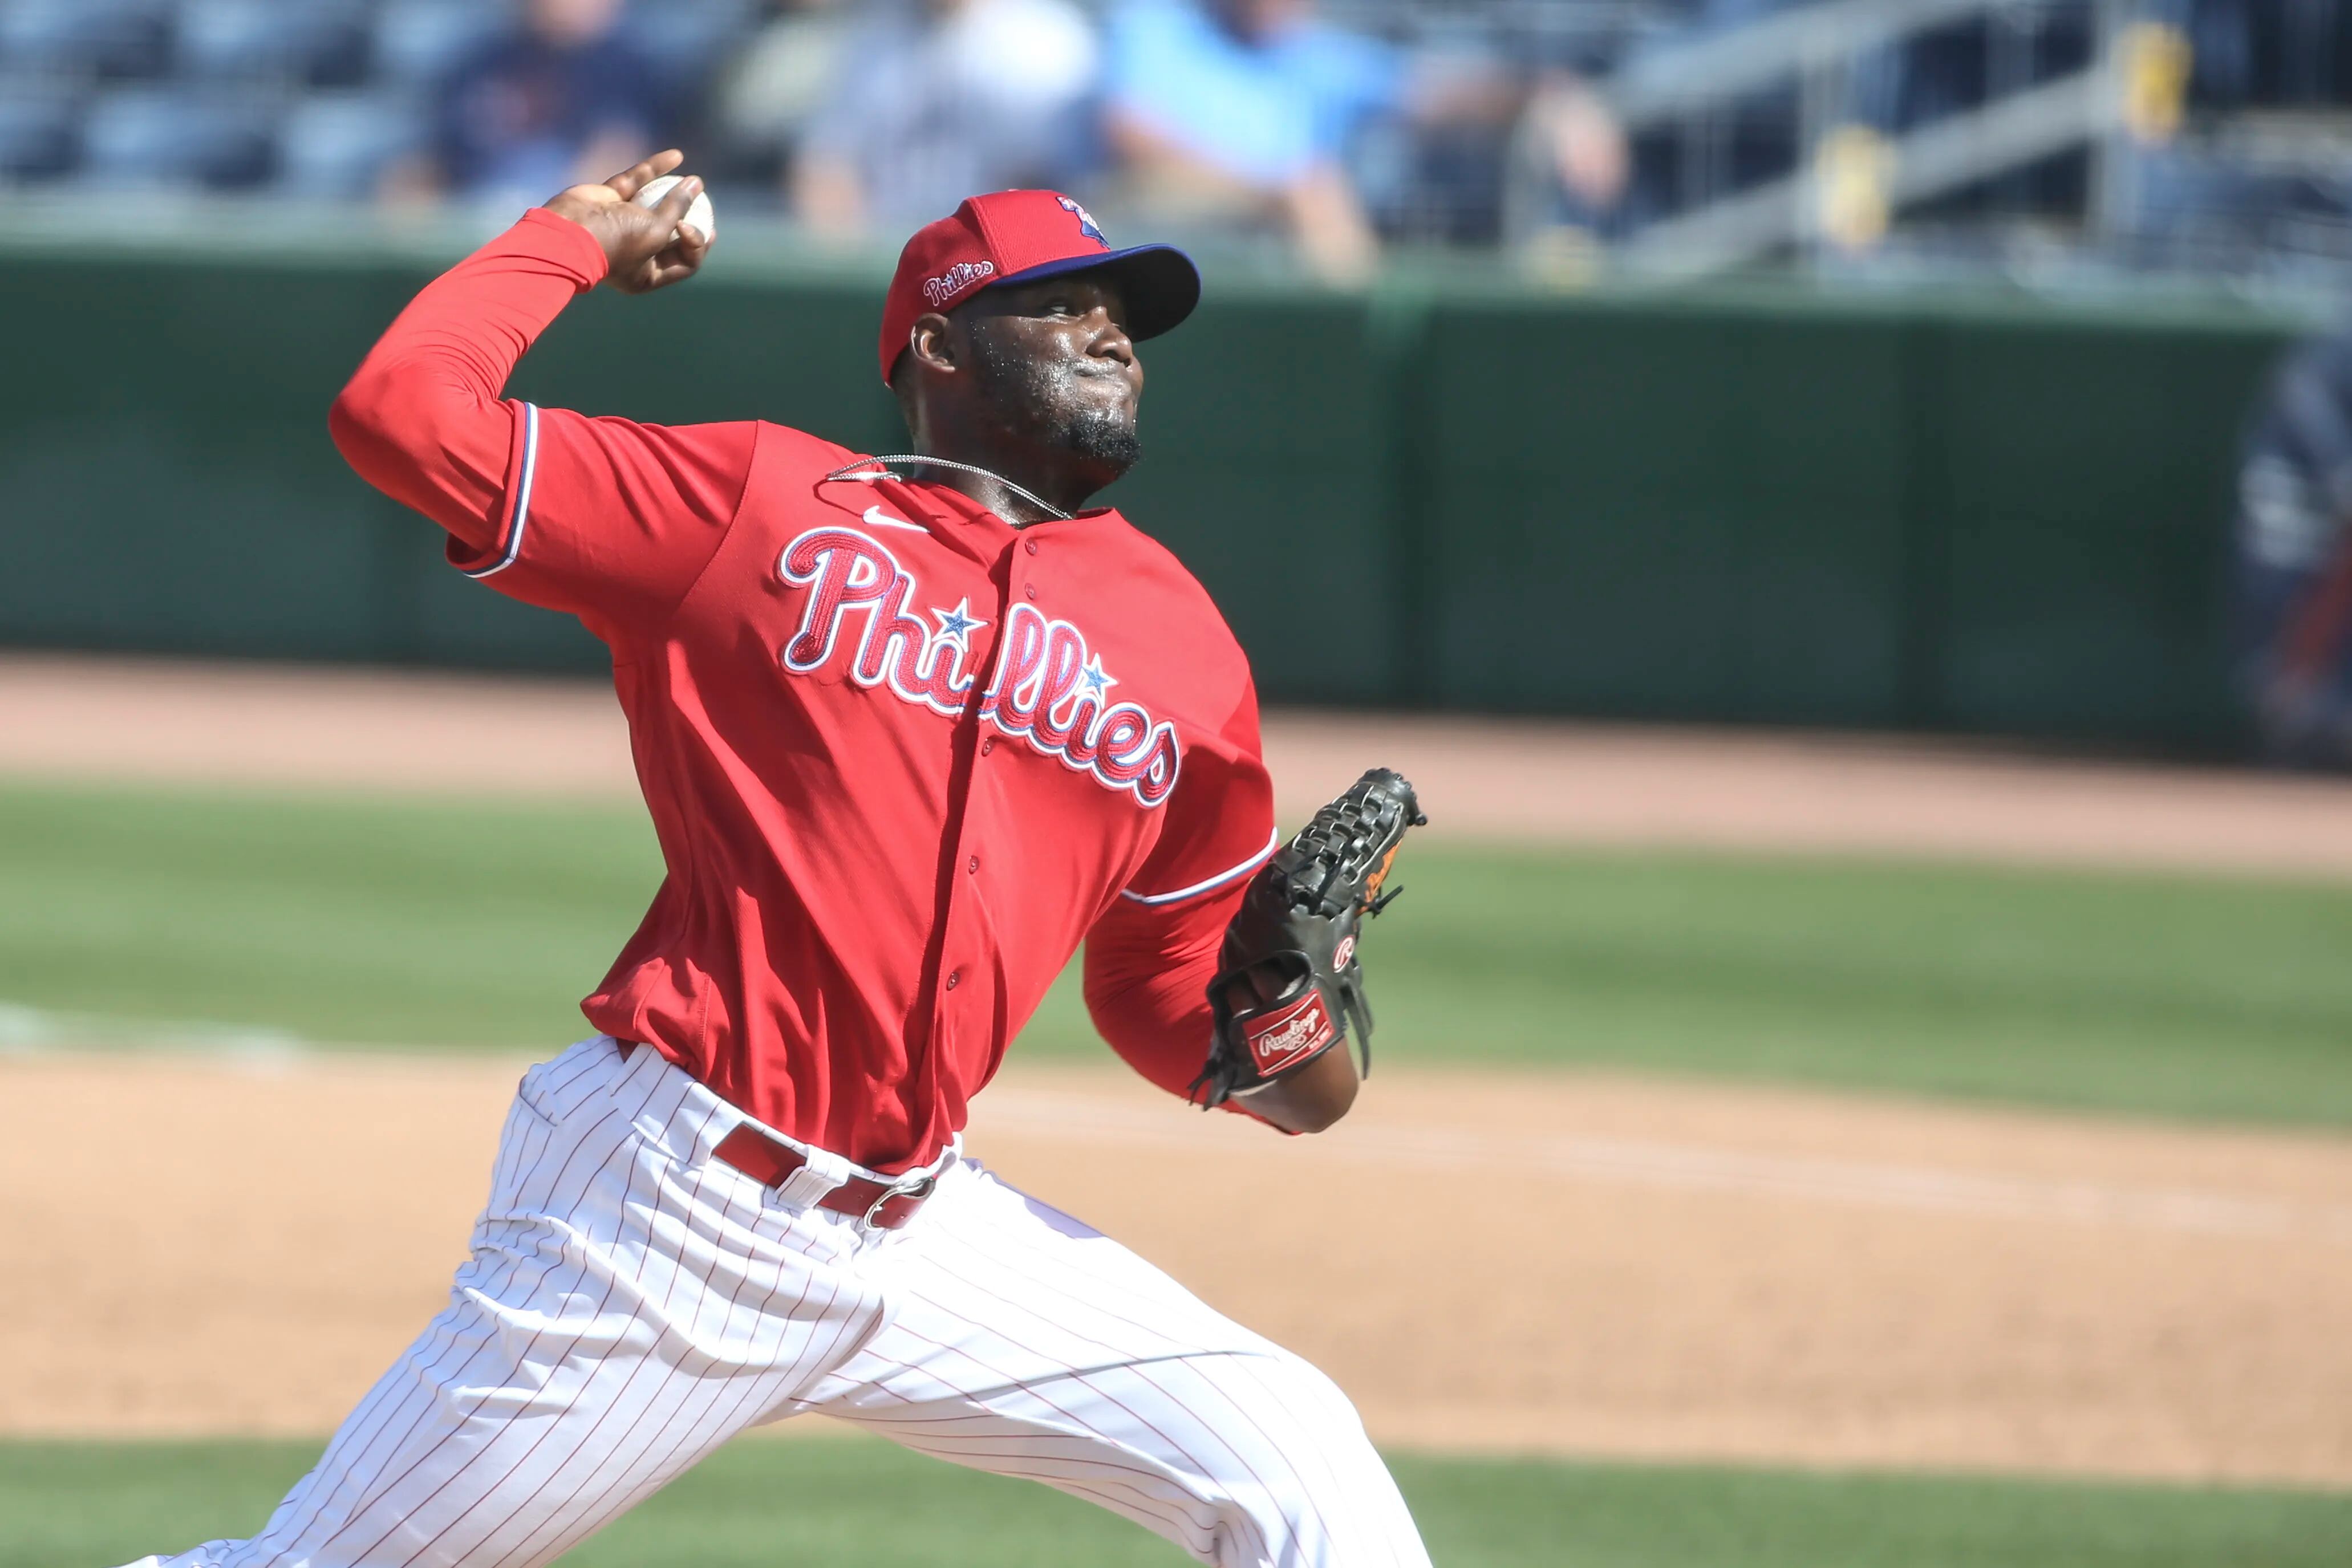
point(901, 757)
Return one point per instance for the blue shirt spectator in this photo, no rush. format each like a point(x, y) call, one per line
point(1264, 92)
point(1244, 112)
point(565, 97)
point(1237, 112)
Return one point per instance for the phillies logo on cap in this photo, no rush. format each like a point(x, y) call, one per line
point(1087, 224)
point(956, 280)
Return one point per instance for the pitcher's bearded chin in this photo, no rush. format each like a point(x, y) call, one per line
point(1045, 404)
point(1101, 435)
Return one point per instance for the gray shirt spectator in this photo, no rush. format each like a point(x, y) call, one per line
point(779, 80)
point(937, 99)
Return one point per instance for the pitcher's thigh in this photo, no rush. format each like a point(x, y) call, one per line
point(472, 1451)
point(1026, 1344)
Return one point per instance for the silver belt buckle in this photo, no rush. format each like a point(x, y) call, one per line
point(921, 1189)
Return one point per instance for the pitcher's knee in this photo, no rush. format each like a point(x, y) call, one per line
point(1318, 1494)
point(1313, 1402)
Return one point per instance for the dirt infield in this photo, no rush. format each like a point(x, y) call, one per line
point(1561, 1264)
point(1567, 1264)
point(228, 723)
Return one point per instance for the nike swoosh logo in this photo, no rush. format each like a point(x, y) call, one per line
point(875, 518)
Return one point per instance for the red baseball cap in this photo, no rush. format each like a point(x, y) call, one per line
point(1017, 236)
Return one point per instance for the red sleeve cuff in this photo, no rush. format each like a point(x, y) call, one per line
point(562, 243)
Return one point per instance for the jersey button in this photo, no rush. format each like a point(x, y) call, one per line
point(971, 866)
point(1030, 589)
point(987, 744)
point(954, 977)
point(1030, 545)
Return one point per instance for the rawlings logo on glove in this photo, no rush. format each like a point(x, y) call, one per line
point(1292, 946)
point(1288, 1036)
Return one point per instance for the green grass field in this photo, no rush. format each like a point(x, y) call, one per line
point(766, 1505)
point(438, 925)
point(432, 925)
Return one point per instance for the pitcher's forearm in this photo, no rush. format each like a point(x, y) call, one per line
point(1312, 1098)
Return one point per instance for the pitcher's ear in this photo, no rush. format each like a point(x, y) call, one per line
point(932, 340)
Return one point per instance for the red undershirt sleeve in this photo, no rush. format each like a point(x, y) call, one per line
point(604, 518)
point(1150, 957)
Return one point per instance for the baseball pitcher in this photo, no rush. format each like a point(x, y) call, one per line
point(911, 728)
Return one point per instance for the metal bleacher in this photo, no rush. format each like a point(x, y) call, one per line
point(2213, 131)
point(1817, 57)
point(2205, 135)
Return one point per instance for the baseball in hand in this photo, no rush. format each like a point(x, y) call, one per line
point(699, 214)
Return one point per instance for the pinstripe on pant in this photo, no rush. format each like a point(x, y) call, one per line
point(632, 1302)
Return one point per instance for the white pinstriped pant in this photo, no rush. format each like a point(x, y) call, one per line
point(632, 1302)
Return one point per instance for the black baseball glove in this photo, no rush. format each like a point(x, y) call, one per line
point(1292, 946)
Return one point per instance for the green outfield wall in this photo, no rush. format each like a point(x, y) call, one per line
point(1771, 506)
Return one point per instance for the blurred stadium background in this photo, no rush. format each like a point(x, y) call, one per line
point(1854, 498)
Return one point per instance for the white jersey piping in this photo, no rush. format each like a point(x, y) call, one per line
point(522, 496)
point(1220, 880)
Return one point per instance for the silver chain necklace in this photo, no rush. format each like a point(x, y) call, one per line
point(1043, 506)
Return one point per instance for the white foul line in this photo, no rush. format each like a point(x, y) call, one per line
point(1690, 1167)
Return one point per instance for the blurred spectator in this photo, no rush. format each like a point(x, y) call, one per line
point(1245, 110)
point(563, 98)
point(936, 99)
point(2294, 558)
point(779, 80)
